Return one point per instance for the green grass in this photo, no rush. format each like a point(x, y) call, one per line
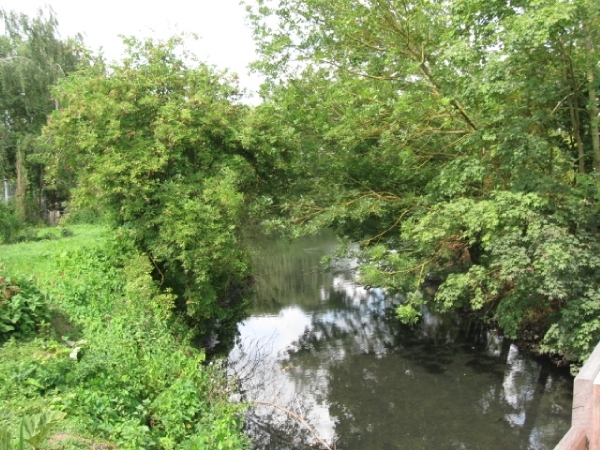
point(137, 381)
point(37, 258)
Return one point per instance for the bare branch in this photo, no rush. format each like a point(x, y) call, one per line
point(300, 419)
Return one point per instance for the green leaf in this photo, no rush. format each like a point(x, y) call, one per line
point(37, 427)
point(5, 439)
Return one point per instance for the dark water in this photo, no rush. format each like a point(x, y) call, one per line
point(331, 353)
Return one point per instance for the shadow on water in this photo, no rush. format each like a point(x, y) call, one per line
point(331, 352)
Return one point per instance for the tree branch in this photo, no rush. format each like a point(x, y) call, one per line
point(298, 418)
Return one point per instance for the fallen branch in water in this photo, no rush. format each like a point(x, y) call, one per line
point(298, 418)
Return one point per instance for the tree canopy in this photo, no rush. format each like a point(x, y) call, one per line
point(457, 141)
point(156, 143)
point(33, 57)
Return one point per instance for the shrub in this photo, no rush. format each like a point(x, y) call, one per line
point(23, 307)
point(129, 374)
point(10, 225)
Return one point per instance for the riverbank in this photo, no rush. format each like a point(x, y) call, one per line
point(108, 353)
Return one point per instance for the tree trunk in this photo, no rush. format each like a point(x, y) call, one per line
point(575, 120)
point(21, 192)
point(593, 103)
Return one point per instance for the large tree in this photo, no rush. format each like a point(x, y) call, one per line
point(157, 144)
point(33, 57)
point(457, 141)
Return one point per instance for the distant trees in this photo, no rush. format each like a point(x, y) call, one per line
point(457, 141)
point(33, 57)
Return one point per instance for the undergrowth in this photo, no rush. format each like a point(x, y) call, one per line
point(109, 354)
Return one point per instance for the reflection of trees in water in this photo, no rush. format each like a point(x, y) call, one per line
point(356, 373)
point(285, 271)
point(266, 378)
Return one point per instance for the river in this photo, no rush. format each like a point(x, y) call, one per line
point(339, 367)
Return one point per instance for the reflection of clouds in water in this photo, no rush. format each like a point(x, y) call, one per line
point(275, 380)
point(517, 386)
point(538, 436)
point(314, 348)
point(517, 419)
point(494, 343)
point(487, 399)
point(279, 381)
point(293, 331)
point(352, 291)
point(282, 329)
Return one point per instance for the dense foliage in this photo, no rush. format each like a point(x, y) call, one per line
point(457, 141)
point(23, 308)
point(33, 57)
point(10, 225)
point(155, 142)
point(111, 360)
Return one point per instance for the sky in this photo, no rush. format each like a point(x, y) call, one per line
point(225, 36)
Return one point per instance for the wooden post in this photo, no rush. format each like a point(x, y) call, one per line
point(594, 432)
point(585, 421)
point(583, 392)
point(575, 439)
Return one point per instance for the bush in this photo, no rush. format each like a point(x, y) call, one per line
point(10, 225)
point(127, 373)
point(23, 307)
point(89, 215)
point(188, 206)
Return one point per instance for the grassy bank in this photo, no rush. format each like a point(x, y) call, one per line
point(105, 351)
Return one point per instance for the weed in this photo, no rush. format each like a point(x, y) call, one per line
point(111, 354)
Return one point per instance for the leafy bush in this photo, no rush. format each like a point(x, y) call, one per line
point(23, 307)
point(88, 215)
point(141, 389)
point(508, 258)
point(187, 207)
point(10, 225)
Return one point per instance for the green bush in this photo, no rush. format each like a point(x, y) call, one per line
point(88, 215)
point(23, 308)
point(129, 375)
point(188, 206)
point(10, 225)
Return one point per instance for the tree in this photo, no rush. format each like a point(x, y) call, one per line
point(33, 58)
point(446, 137)
point(155, 143)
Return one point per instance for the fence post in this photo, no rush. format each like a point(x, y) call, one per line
point(585, 421)
point(5, 190)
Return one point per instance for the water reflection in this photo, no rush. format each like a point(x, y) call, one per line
point(331, 352)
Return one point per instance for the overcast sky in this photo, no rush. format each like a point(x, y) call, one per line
point(225, 39)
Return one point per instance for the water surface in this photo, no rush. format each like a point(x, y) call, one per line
point(331, 353)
